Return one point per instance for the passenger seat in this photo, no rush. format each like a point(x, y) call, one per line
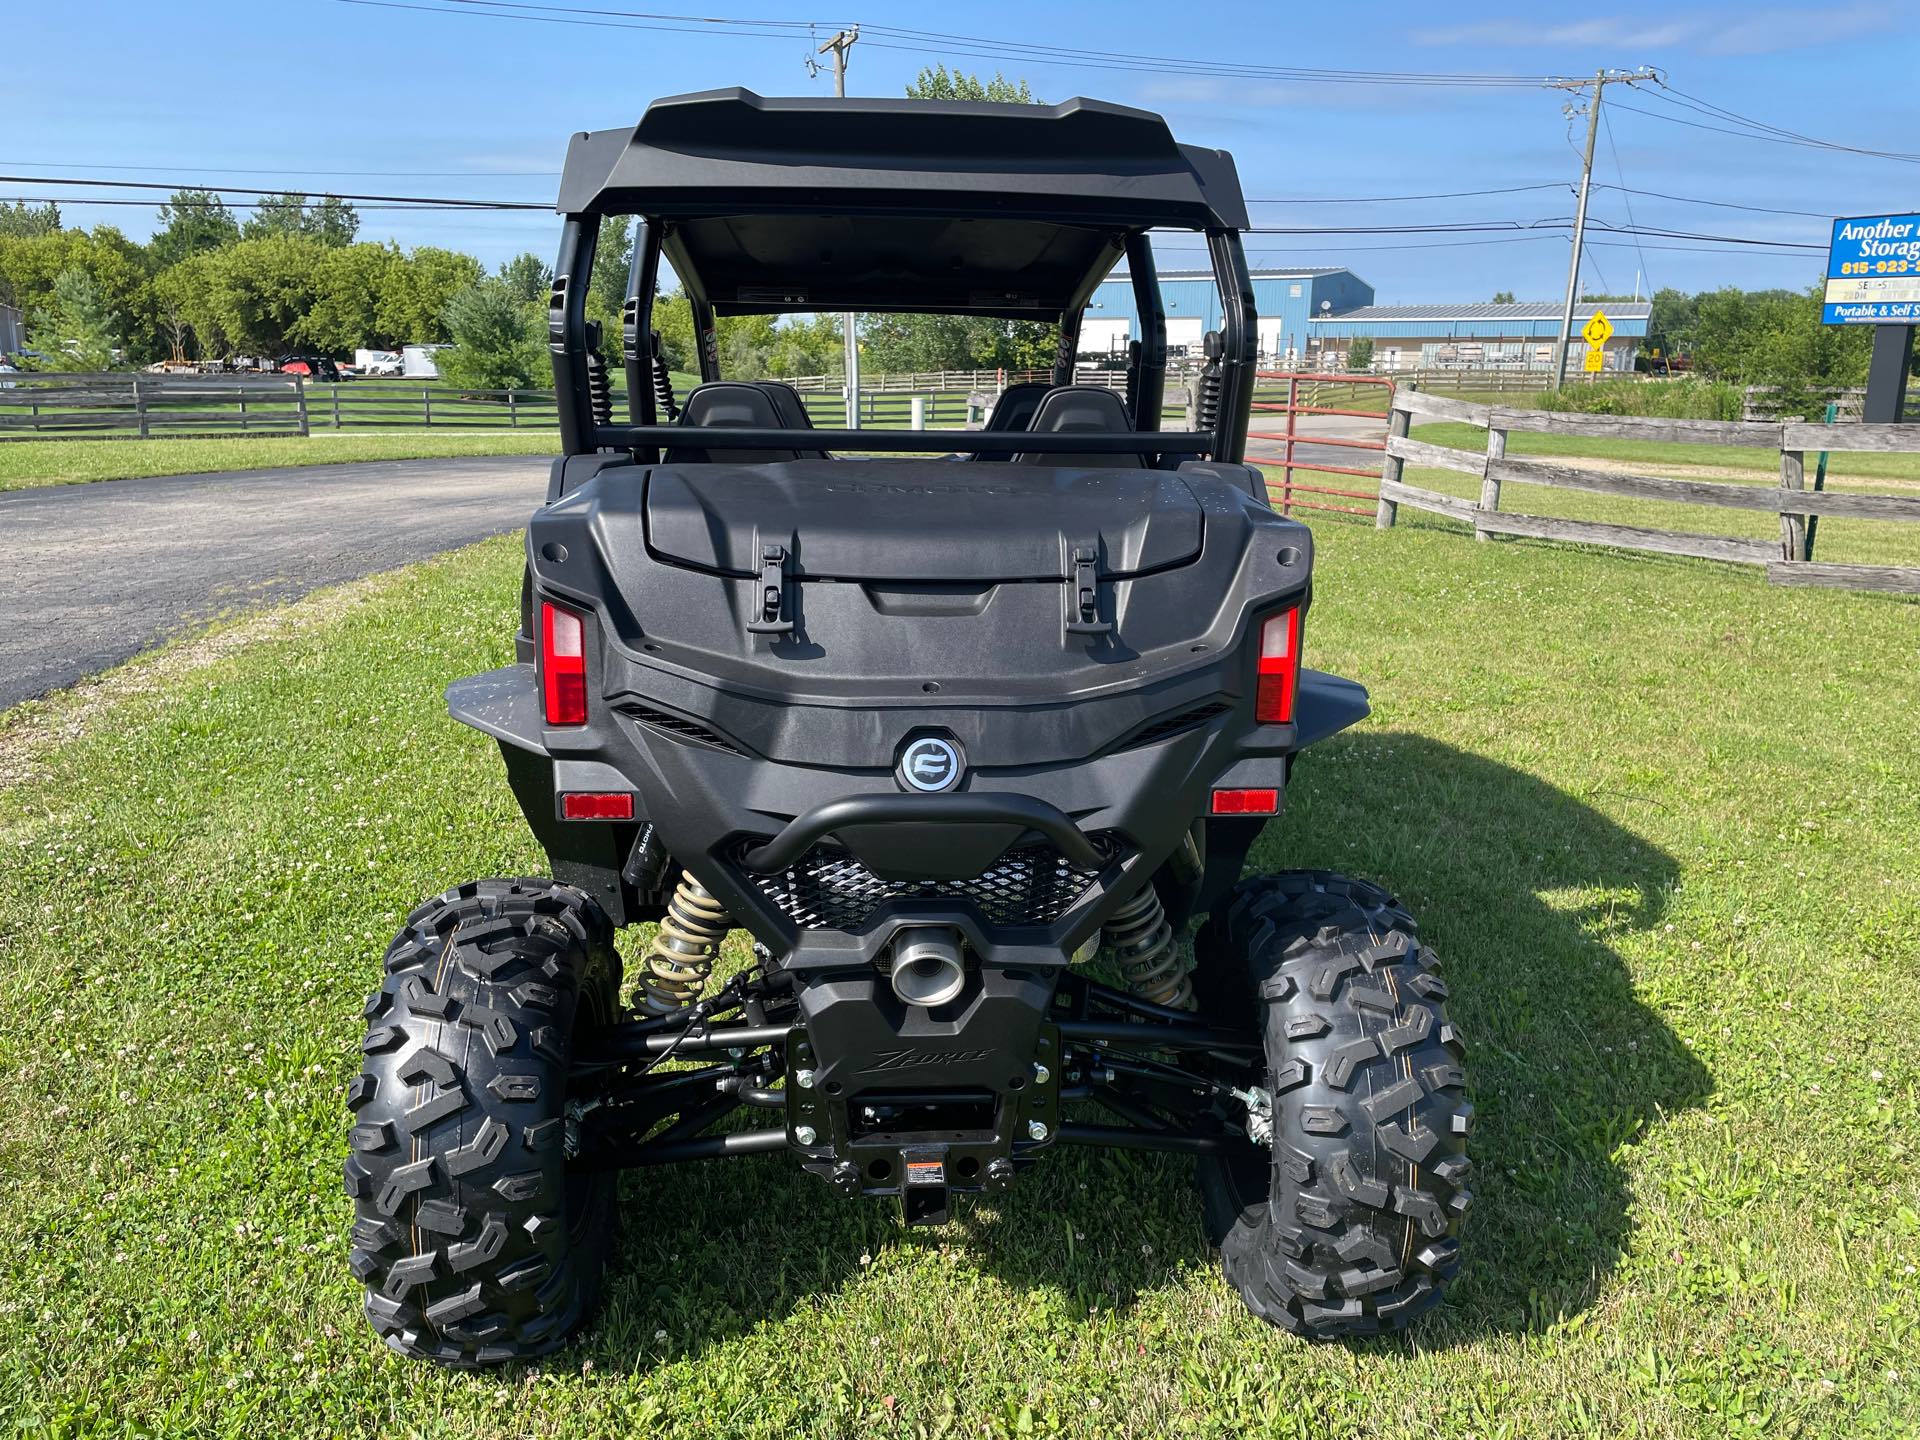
point(1080, 407)
point(1014, 411)
point(736, 404)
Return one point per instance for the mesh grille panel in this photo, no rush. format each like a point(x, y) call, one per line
point(827, 889)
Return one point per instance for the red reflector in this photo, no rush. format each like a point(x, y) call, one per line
point(1279, 668)
point(596, 805)
point(563, 664)
point(1246, 802)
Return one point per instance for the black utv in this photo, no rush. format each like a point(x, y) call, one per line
point(947, 734)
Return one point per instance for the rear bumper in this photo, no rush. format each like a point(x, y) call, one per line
point(737, 821)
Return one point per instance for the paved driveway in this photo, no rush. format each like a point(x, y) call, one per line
point(91, 575)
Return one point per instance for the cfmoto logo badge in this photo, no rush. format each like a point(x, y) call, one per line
point(929, 765)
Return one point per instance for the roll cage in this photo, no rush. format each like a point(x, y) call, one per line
point(797, 206)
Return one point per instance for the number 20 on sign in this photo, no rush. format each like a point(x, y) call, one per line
point(1596, 358)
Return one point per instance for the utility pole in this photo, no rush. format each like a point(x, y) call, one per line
point(1600, 81)
point(840, 44)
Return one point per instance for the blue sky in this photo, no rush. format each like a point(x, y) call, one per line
point(475, 104)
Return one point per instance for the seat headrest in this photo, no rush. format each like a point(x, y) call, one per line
point(792, 411)
point(1080, 407)
point(1014, 411)
point(728, 404)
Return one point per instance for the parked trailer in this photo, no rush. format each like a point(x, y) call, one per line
point(417, 362)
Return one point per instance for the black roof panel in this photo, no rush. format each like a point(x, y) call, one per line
point(961, 206)
point(732, 151)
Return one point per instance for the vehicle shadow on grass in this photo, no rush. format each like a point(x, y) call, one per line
point(1519, 886)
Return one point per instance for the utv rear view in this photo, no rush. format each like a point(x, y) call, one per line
point(947, 737)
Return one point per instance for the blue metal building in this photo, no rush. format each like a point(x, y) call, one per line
point(1284, 299)
point(1470, 337)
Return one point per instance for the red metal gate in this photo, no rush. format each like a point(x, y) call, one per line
point(1270, 386)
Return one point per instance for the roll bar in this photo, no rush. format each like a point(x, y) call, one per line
point(1146, 380)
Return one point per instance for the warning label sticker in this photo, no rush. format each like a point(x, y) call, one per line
point(926, 1172)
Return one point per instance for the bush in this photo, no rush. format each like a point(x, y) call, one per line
point(499, 340)
point(1360, 354)
point(1688, 398)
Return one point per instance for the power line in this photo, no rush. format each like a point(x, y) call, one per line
point(455, 203)
point(1357, 249)
point(466, 209)
point(699, 25)
point(1385, 199)
point(1676, 96)
point(1435, 228)
point(940, 43)
point(276, 170)
point(1615, 151)
point(451, 203)
point(1771, 139)
point(1717, 204)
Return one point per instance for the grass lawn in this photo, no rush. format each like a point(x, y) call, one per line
point(1657, 818)
point(72, 462)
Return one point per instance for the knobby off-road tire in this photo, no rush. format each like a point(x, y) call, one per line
point(1351, 1226)
point(475, 1240)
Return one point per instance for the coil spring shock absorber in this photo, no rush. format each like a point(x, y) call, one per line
point(1142, 941)
point(663, 401)
point(684, 949)
point(1207, 385)
point(599, 386)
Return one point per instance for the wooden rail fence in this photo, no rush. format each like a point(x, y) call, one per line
point(1786, 561)
point(39, 406)
point(35, 406)
point(1764, 402)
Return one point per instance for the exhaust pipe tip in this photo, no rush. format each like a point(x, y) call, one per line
point(927, 968)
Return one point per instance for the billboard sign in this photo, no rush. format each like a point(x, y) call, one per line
point(1873, 272)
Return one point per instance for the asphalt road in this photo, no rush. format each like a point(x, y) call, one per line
point(91, 575)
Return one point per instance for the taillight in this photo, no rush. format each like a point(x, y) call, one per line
point(563, 664)
point(1279, 668)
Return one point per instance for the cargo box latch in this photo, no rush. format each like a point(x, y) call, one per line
point(774, 615)
point(1083, 599)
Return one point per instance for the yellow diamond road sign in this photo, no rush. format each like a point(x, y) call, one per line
point(1598, 329)
point(1596, 357)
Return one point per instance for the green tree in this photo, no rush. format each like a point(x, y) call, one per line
point(23, 217)
point(1360, 354)
point(255, 294)
point(275, 215)
point(30, 264)
point(191, 222)
point(328, 220)
point(76, 329)
point(528, 276)
point(331, 221)
point(498, 340)
point(1670, 325)
point(807, 345)
point(348, 287)
point(1503, 297)
point(1774, 337)
point(416, 293)
point(936, 82)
